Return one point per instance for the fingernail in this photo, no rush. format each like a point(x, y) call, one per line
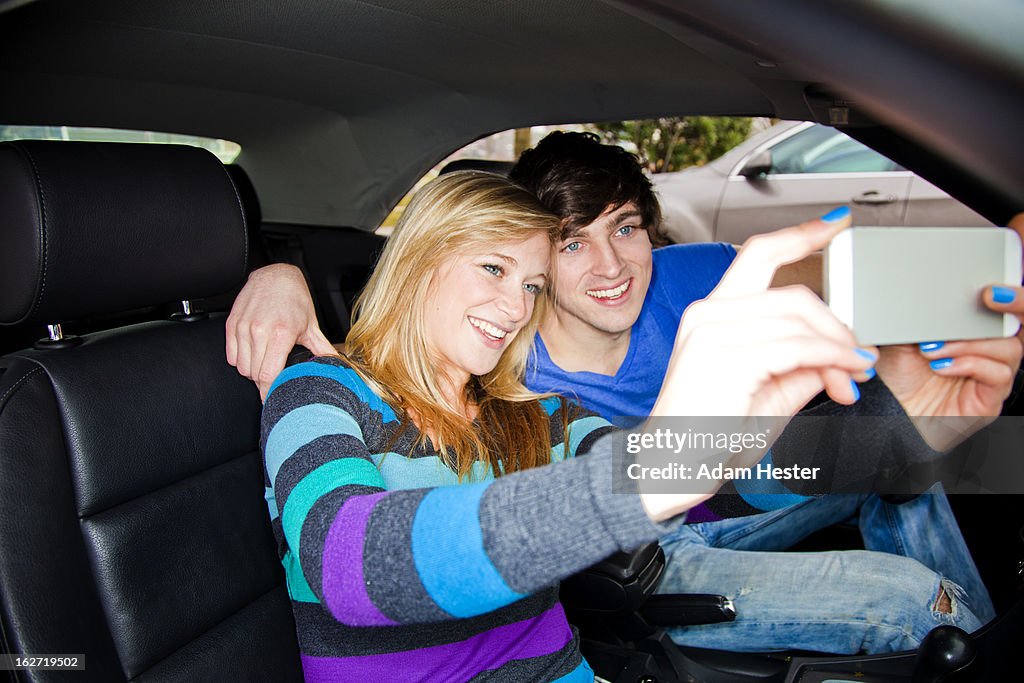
point(870, 372)
point(1003, 295)
point(941, 363)
point(864, 353)
point(836, 214)
point(931, 346)
point(856, 391)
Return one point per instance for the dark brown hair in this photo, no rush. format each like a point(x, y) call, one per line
point(578, 178)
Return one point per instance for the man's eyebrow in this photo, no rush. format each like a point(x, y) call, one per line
point(627, 214)
point(576, 232)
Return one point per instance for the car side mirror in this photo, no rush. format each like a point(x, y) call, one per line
point(759, 166)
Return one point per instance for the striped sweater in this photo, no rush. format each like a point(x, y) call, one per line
point(397, 571)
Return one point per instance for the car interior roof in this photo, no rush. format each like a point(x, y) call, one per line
point(341, 106)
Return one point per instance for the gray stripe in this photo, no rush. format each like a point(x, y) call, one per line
point(309, 390)
point(321, 636)
point(311, 456)
point(542, 525)
point(392, 581)
point(314, 533)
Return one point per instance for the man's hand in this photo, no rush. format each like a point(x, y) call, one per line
point(272, 313)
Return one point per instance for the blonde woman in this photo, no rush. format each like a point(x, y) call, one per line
point(426, 503)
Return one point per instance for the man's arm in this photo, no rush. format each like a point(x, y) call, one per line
point(272, 313)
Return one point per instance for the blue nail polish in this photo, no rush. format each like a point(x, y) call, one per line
point(836, 214)
point(1003, 295)
point(856, 391)
point(931, 346)
point(864, 353)
point(870, 372)
point(940, 363)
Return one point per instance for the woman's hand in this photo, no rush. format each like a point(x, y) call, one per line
point(750, 350)
point(962, 379)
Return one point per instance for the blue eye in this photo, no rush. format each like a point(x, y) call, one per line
point(532, 288)
point(625, 230)
point(572, 247)
point(493, 269)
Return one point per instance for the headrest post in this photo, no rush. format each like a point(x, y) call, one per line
point(56, 339)
point(189, 313)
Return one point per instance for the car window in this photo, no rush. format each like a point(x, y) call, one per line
point(820, 149)
point(225, 150)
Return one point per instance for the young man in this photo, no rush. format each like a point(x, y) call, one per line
point(606, 340)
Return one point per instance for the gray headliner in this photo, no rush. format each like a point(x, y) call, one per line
point(341, 105)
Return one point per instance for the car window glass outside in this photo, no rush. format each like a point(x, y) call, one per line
point(820, 149)
point(225, 150)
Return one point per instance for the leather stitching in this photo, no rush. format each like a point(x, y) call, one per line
point(24, 378)
point(42, 224)
point(245, 222)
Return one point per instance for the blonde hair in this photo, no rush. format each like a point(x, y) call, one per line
point(457, 214)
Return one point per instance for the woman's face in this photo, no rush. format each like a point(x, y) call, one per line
point(477, 303)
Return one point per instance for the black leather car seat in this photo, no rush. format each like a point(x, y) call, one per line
point(133, 528)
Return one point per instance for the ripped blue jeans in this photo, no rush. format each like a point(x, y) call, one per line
point(883, 599)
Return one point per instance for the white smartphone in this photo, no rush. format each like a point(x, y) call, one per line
point(909, 285)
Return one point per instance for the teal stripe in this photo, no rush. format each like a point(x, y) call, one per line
point(347, 377)
point(321, 481)
point(449, 555)
point(304, 425)
point(581, 429)
point(298, 588)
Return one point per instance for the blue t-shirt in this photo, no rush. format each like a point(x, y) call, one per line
point(682, 274)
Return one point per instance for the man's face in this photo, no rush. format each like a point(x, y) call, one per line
point(601, 273)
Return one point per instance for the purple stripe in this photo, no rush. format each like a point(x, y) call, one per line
point(343, 583)
point(701, 513)
point(541, 635)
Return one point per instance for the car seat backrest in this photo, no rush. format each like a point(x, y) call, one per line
point(133, 528)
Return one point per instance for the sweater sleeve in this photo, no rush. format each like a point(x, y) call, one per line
point(855, 454)
point(374, 557)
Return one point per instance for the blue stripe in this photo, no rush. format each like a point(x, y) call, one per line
point(402, 472)
point(581, 429)
point(304, 425)
point(581, 674)
point(268, 495)
point(448, 551)
point(347, 377)
point(551, 404)
point(766, 494)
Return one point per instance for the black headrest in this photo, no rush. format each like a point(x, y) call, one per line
point(247, 193)
point(88, 228)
